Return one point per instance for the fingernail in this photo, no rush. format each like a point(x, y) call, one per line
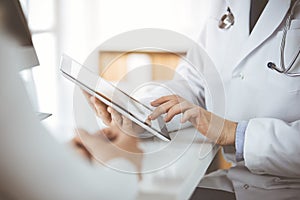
point(109, 109)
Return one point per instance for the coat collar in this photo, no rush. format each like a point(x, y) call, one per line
point(270, 19)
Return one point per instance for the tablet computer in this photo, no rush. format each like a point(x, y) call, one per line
point(112, 96)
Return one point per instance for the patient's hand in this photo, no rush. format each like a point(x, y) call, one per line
point(108, 144)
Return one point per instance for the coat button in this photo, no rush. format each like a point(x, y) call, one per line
point(242, 76)
point(277, 179)
point(246, 186)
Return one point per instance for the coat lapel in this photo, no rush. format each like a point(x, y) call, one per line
point(272, 16)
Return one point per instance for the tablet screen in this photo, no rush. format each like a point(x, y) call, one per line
point(113, 96)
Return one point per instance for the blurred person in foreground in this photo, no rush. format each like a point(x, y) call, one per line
point(34, 165)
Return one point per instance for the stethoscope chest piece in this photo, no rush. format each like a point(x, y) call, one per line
point(227, 20)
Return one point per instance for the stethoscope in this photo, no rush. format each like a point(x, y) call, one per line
point(227, 20)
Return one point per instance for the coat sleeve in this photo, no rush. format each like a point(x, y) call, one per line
point(272, 147)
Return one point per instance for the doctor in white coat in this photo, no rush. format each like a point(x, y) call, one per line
point(262, 105)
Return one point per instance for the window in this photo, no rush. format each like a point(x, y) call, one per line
point(41, 20)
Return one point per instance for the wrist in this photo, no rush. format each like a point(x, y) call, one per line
point(229, 133)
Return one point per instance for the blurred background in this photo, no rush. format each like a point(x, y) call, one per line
point(77, 27)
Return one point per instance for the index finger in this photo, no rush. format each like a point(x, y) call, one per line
point(162, 100)
point(162, 109)
point(88, 97)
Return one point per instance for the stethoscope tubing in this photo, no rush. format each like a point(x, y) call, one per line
point(227, 21)
point(283, 69)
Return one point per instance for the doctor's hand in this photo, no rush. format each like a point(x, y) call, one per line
point(99, 108)
point(108, 144)
point(217, 129)
point(111, 117)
